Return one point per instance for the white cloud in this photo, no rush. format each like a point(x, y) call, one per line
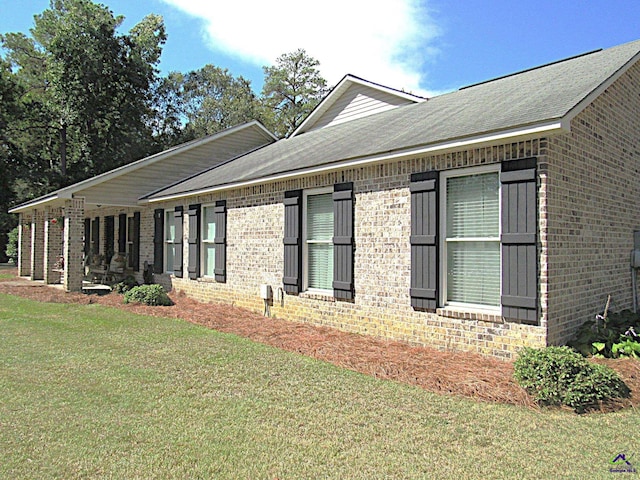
point(385, 42)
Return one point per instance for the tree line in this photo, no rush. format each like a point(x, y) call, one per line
point(79, 98)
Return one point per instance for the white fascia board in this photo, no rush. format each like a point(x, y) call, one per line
point(392, 91)
point(548, 128)
point(25, 207)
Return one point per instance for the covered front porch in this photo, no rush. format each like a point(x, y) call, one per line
point(51, 243)
point(72, 235)
point(79, 245)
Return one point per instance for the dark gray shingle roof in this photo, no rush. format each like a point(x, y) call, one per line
point(528, 98)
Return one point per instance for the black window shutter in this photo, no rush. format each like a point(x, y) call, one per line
point(95, 236)
point(135, 247)
point(518, 239)
point(177, 258)
point(109, 233)
point(292, 280)
point(424, 240)
point(220, 241)
point(343, 241)
point(158, 240)
point(193, 237)
point(122, 233)
point(87, 236)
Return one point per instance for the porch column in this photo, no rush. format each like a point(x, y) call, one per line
point(37, 245)
point(53, 228)
point(73, 244)
point(24, 245)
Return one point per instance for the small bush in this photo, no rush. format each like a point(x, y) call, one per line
point(127, 284)
point(12, 245)
point(149, 295)
point(599, 335)
point(560, 376)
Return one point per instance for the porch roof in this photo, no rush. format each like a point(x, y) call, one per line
point(125, 185)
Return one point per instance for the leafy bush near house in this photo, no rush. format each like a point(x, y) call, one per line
point(12, 245)
point(149, 295)
point(561, 376)
point(610, 335)
point(125, 285)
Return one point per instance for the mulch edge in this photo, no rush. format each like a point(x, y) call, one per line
point(462, 374)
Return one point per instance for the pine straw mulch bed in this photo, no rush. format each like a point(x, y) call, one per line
point(463, 374)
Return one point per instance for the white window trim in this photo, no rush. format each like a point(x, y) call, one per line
point(204, 242)
point(305, 248)
point(167, 242)
point(442, 260)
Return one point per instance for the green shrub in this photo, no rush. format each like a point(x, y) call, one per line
point(627, 347)
point(12, 245)
point(560, 376)
point(125, 285)
point(598, 336)
point(149, 295)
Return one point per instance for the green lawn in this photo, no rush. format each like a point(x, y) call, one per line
point(92, 392)
point(5, 275)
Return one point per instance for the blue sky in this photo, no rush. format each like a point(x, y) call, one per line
point(423, 46)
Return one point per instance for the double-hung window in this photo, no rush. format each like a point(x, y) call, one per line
point(474, 239)
point(208, 241)
point(169, 240)
point(318, 239)
point(471, 240)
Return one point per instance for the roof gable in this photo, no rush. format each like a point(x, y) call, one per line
point(354, 98)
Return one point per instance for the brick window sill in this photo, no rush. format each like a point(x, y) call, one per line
point(492, 316)
point(205, 280)
point(325, 297)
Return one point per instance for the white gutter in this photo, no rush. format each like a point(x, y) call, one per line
point(558, 126)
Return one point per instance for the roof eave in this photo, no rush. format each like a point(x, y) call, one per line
point(25, 207)
point(551, 127)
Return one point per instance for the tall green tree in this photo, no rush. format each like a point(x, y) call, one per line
point(292, 88)
point(213, 99)
point(168, 111)
point(88, 87)
point(10, 112)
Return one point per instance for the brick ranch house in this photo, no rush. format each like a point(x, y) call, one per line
point(497, 216)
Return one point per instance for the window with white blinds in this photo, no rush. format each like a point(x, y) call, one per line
point(472, 239)
point(319, 241)
point(169, 240)
point(208, 239)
